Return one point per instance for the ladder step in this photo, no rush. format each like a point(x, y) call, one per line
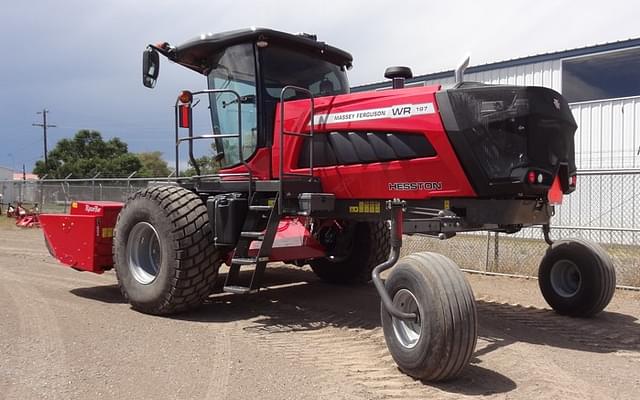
point(253, 235)
point(243, 261)
point(260, 208)
point(248, 261)
point(238, 289)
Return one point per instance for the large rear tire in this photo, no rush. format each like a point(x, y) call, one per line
point(439, 345)
point(163, 248)
point(577, 277)
point(368, 246)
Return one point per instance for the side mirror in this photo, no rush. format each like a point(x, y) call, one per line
point(150, 67)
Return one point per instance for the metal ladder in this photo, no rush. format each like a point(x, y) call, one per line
point(251, 232)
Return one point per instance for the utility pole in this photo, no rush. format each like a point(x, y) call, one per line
point(44, 127)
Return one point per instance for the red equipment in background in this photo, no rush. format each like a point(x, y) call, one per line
point(25, 218)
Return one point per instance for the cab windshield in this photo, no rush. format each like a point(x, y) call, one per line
point(234, 69)
point(282, 66)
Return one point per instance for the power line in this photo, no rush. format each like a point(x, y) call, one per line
point(44, 128)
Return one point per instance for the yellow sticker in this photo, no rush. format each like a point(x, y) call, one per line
point(74, 204)
point(107, 233)
point(365, 207)
point(271, 202)
point(447, 204)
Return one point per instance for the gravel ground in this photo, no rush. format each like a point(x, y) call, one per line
point(69, 335)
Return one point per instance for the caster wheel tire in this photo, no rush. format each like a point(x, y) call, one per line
point(577, 278)
point(438, 345)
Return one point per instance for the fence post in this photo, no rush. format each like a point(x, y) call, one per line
point(41, 185)
point(93, 185)
point(486, 263)
point(496, 251)
point(65, 191)
point(129, 182)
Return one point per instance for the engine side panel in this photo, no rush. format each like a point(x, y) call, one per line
point(363, 128)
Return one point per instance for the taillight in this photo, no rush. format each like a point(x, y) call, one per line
point(537, 178)
point(573, 179)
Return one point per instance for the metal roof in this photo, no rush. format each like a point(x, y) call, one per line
point(581, 51)
point(194, 53)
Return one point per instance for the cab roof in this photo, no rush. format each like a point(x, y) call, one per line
point(193, 53)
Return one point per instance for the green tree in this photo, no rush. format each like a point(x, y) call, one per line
point(206, 164)
point(153, 165)
point(86, 154)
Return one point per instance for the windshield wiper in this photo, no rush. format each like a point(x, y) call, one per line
point(248, 99)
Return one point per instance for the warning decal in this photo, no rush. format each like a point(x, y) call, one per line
point(398, 111)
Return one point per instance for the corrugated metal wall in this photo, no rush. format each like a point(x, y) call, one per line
point(608, 133)
point(546, 73)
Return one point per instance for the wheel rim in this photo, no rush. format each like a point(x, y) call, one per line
point(565, 278)
point(406, 332)
point(143, 253)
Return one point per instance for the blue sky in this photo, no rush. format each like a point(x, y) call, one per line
point(82, 59)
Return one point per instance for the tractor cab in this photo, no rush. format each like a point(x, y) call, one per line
point(246, 71)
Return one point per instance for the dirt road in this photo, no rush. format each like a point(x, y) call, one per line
point(69, 335)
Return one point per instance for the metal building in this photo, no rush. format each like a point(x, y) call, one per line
point(6, 186)
point(601, 83)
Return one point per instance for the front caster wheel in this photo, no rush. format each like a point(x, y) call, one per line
point(577, 278)
point(439, 343)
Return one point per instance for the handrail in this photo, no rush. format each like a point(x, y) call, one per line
point(190, 138)
point(281, 173)
point(214, 136)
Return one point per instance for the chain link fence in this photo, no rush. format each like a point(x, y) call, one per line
point(604, 208)
point(56, 195)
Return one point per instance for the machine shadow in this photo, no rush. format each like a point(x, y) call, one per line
point(477, 381)
point(296, 300)
point(107, 294)
point(502, 324)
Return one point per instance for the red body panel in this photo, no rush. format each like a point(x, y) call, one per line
point(260, 164)
point(293, 241)
point(371, 181)
point(83, 239)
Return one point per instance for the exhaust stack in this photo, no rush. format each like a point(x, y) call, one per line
point(461, 68)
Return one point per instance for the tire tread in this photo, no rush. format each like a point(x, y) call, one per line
point(197, 260)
